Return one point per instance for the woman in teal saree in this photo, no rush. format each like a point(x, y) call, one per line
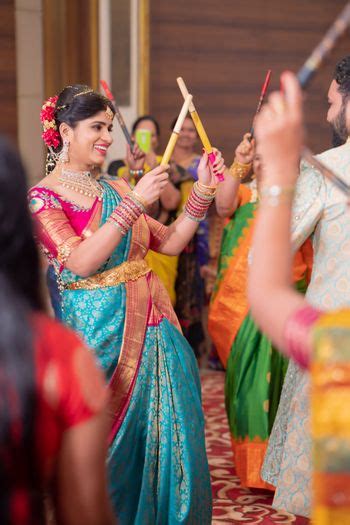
point(158, 470)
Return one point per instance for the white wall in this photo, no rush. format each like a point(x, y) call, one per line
point(130, 113)
point(30, 84)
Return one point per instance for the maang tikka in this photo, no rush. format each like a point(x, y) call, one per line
point(63, 155)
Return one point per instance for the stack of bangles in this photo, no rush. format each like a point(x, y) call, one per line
point(136, 173)
point(238, 170)
point(127, 212)
point(199, 201)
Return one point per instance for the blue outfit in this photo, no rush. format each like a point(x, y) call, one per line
point(157, 464)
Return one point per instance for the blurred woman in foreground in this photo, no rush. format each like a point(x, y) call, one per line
point(52, 424)
point(314, 339)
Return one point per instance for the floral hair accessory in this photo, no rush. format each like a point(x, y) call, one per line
point(50, 135)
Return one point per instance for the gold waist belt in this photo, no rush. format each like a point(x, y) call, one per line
point(128, 271)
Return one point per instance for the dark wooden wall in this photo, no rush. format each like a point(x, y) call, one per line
point(71, 44)
point(8, 95)
point(223, 49)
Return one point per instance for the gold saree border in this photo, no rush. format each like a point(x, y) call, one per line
point(138, 300)
point(123, 273)
point(123, 380)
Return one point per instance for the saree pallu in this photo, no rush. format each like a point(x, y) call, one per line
point(330, 419)
point(165, 266)
point(158, 470)
point(254, 369)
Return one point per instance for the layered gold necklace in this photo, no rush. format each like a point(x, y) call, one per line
point(82, 182)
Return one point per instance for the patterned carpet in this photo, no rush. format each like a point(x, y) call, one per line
point(231, 502)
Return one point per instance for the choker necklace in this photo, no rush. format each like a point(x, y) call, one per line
point(81, 182)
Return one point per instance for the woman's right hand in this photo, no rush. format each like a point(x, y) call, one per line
point(152, 184)
point(245, 150)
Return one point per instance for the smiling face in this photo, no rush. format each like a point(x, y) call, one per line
point(188, 134)
point(88, 141)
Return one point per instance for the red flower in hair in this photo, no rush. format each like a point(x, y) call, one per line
point(50, 135)
point(48, 109)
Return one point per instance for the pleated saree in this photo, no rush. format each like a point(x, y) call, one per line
point(158, 470)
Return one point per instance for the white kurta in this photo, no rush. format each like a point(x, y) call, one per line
point(321, 211)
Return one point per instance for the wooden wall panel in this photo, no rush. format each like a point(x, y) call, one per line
point(71, 44)
point(8, 98)
point(223, 50)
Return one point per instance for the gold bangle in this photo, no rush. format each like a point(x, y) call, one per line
point(205, 186)
point(141, 199)
point(238, 170)
point(206, 190)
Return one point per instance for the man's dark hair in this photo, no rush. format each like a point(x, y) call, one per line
point(342, 76)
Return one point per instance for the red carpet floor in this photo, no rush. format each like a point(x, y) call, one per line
point(231, 502)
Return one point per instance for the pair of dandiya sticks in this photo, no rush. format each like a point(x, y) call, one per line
point(187, 106)
point(304, 75)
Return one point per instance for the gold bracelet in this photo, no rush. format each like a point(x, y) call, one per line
point(141, 199)
point(274, 194)
point(206, 187)
point(206, 190)
point(239, 170)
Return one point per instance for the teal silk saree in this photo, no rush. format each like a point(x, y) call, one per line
point(157, 464)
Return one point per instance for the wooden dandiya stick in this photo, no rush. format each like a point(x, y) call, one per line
point(199, 126)
point(329, 174)
point(175, 134)
point(118, 113)
point(325, 46)
point(261, 99)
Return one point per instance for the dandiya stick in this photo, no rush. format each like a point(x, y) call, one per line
point(199, 126)
point(175, 134)
point(325, 46)
point(329, 174)
point(118, 113)
point(261, 99)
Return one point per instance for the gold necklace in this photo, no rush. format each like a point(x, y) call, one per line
point(82, 182)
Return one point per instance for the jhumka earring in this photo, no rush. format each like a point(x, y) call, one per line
point(63, 156)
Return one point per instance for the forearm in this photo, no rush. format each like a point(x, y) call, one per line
point(180, 232)
point(271, 269)
point(226, 200)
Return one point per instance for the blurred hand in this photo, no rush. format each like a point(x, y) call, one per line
point(207, 172)
point(279, 132)
point(153, 183)
point(245, 150)
point(151, 159)
point(135, 158)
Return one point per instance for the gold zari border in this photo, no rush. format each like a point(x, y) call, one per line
point(125, 272)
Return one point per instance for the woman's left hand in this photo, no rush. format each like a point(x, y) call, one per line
point(207, 173)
